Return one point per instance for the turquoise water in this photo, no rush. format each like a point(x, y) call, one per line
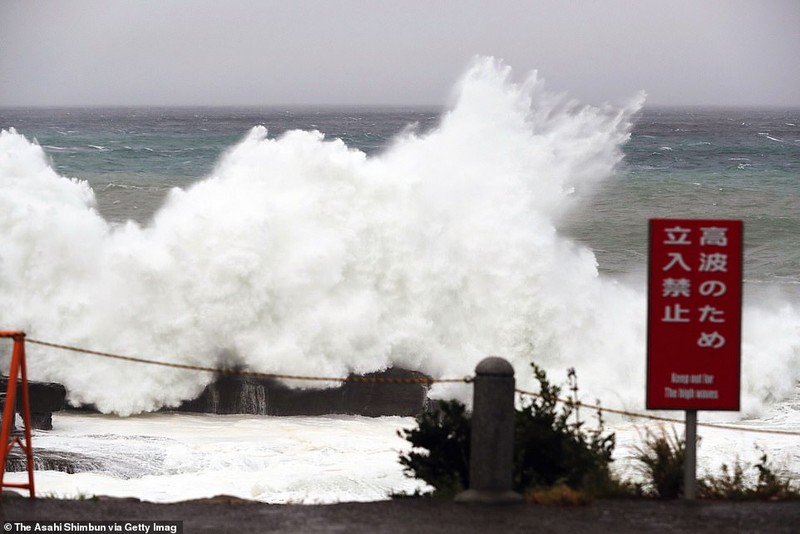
point(680, 162)
point(393, 219)
point(511, 224)
point(705, 163)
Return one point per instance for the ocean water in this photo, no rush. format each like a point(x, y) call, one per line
point(325, 241)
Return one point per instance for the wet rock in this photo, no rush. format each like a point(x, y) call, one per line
point(45, 398)
point(264, 396)
point(49, 460)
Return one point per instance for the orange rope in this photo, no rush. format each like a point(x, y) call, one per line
point(256, 374)
point(661, 418)
point(388, 380)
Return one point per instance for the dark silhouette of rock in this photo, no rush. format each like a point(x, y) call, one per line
point(371, 395)
point(231, 394)
point(45, 398)
point(47, 460)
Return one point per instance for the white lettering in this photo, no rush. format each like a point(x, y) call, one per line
point(677, 236)
point(711, 314)
point(137, 527)
point(713, 288)
point(707, 394)
point(677, 259)
point(680, 379)
point(714, 235)
point(713, 340)
point(716, 262)
point(55, 527)
point(672, 287)
point(675, 314)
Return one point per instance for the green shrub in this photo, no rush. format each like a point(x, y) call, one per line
point(548, 448)
point(661, 460)
point(729, 484)
point(555, 455)
point(733, 485)
point(770, 486)
point(441, 444)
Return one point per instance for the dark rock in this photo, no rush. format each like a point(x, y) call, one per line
point(231, 394)
point(49, 460)
point(371, 395)
point(42, 420)
point(45, 398)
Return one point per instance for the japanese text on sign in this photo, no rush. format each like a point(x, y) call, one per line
point(694, 314)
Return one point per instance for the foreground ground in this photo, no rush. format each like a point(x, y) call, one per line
point(418, 516)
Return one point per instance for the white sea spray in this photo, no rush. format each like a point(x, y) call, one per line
point(300, 255)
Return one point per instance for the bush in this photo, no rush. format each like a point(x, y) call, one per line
point(732, 484)
point(548, 448)
point(662, 456)
point(441, 444)
point(557, 460)
point(770, 486)
point(661, 463)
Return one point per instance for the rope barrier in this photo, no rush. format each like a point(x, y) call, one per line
point(256, 374)
point(660, 418)
point(385, 380)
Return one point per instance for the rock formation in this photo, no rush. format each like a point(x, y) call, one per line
point(45, 398)
point(231, 394)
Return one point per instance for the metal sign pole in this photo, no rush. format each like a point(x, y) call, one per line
point(694, 323)
point(690, 457)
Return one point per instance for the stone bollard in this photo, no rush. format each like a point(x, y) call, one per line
point(492, 443)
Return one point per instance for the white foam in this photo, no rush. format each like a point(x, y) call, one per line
point(300, 255)
point(307, 460)
point(168, 458)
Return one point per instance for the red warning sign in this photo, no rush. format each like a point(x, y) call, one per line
point(694, 314)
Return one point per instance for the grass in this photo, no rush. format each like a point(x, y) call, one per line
point(559, 494)
point(559, 460)
point(660, 461)
point(734, 484)
point(661, 457)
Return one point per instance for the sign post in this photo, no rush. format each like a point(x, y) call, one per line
point(694, 322)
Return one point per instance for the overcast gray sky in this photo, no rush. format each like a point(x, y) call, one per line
point(266, 52)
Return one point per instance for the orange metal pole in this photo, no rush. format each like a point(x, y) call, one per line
point(17, 367)
point(26, 413)
point(9, 409)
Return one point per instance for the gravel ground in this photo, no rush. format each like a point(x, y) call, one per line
point(418, 516)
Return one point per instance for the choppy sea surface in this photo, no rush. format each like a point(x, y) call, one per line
point(679, 162)
point(327, 240)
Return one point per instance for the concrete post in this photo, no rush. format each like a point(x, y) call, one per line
point(492, 443)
